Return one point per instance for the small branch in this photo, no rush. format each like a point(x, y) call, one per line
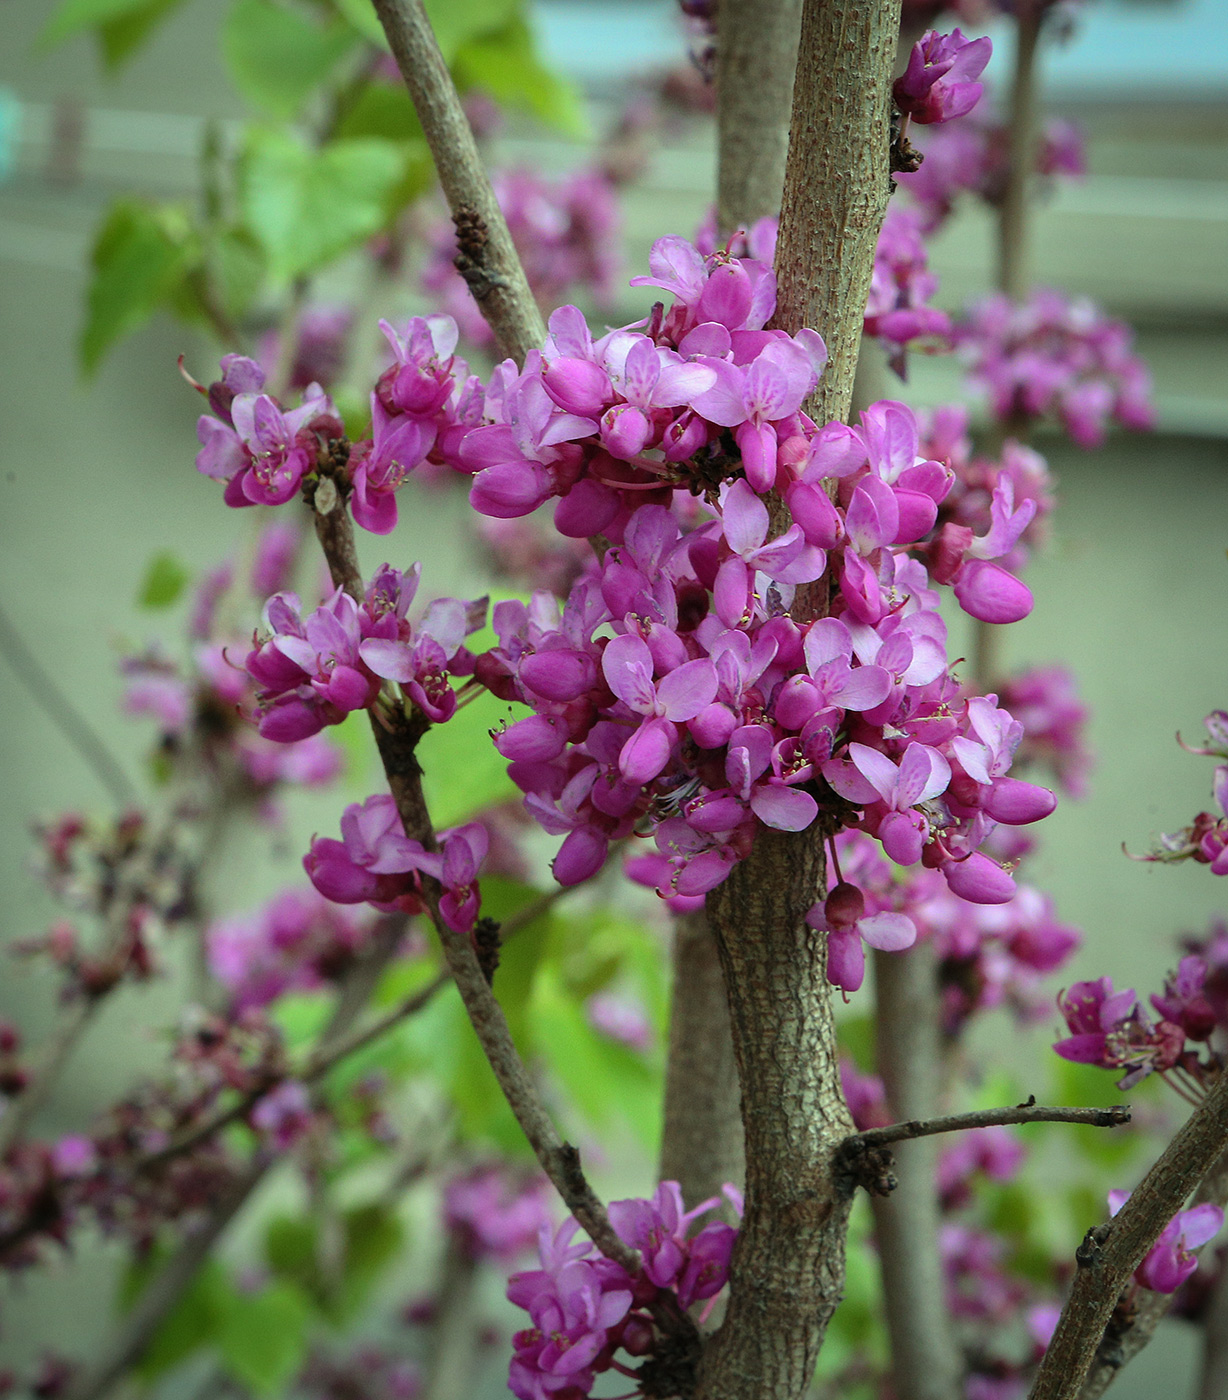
point(66, 717)
point(317, 1065)
point(396, 737)
point(1111, 1252)
point(160, 1297)
point(756, 55)
point(1013, 213)
point(493, 269)
point(992, 1117)
point(1122, 1344)
point(163, 1293)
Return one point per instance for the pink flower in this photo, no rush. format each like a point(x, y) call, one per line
point(842, 915)
point(1171, 1260)
point(938, 83)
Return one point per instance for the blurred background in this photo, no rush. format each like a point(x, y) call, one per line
point(97, 474)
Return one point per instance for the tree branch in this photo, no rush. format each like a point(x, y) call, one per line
point(1122, 1345)
point(488, 260)
point(787, 1271)
point(836, 183)
point(1110, 1253)
point(701, 1142)
point(925, 1363)
point(1030, 1112)
point(756, 55)
point(396, 736)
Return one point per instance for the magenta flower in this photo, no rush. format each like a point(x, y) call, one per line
point(627, 664)
point(374, 861)
point(265, 455)
point(939, 82)
point(786, 559)
point(842, 915)
point(1171, 1260)
point(1110, 1030)
point(378, 468)
point(868, 777)
point(463, 849)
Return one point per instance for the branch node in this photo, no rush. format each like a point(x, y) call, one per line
point(471, 259)
point(859, 1163)
point(487, 942)
point(1089, 1253)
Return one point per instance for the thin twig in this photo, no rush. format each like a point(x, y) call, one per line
point(163, 1293)
point(1111, 1252)
point(396, 737)
point(488, 261)
point(992, 1117)
point(66, 717)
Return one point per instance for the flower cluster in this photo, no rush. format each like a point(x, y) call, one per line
point(585, 1308)
point(261, 452)
point(897, 314)
point(376, 863)
point(313, 671)
point(568, 234)
point(496, 1214)
point(988, 955)
point(296, 941)
point(1057, 358)
point(421, 402)
point(1205, 840)
point(1111, 1029)
point(709, 710)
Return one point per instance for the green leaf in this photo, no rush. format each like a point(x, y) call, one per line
point(506, 65)
point(372, 1235)
point(278, 56)
point(193, 1323)
point(121, 37)
point(301, 1016)
point(381, 110)
point(306, 207)
point(458, 22)
point(139, 255)
point(361, 14)
point(165, 579)
point(463, 771)
point(73, 16)
point(236, 268)
point(263, 1338)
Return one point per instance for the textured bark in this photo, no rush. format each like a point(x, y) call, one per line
point(836, 182)
point(701, 1145)
point(756, 55)
point(925, 1364)
point(787, 1273)
point(1111, 1253)
point(487, 259)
